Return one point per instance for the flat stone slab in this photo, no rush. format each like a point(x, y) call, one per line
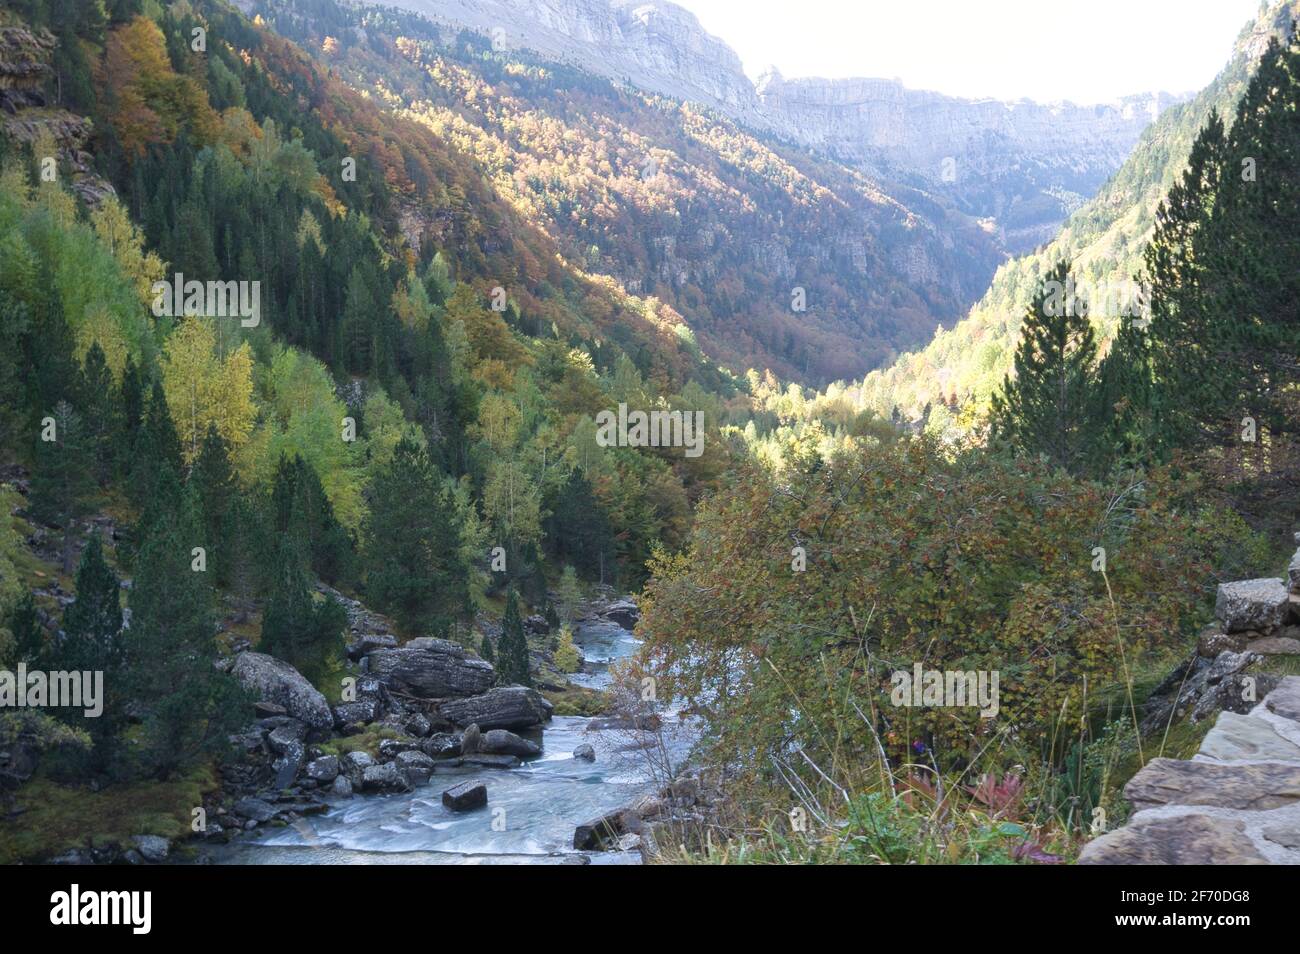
point(1274, 646)
point(1256, 786)
point(1285, 699)
point(1181, 840)
point(1237, 737)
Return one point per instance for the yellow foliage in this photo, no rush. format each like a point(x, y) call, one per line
point(202, 388)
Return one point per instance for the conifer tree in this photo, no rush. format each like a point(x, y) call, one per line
point(512, 664)
point(1049, 405)
point(413, 564)
point(62, 483)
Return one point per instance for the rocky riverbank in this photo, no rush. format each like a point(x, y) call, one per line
point(1237, 800)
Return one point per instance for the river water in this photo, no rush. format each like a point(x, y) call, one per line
point(531, 812)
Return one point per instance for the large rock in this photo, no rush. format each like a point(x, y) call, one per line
point(1183, 840)
point(624, 612)
point(362, 712)
point(353, 766)
point(324, 769)
point(505, 742)
point(1256, 786)
point(384, 778)
point(1285, 699)
point(275, 681)
point(1240, 737)
point(1251, 604)
point(465, 796)
point(603, 832)
point(506, 707)
point(416, 765)
point(431, 668)
point(153, 848)
point(254, 809)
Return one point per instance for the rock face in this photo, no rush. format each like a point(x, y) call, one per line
point(1057, 150)
point(1236, 802)
point(275, 681)
point(1259, 605)
point(506, 707)
point(431, 668)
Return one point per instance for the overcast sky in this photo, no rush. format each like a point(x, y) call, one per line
point(1087, 51)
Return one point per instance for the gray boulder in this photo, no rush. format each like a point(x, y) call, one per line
point(384, 778)
point(431, 668)
point(441, 745)
point(506, 707)
point(362, 712)
point(1293, 573)
point(275, 681)
point(585, 752)
point(354, 765)
point(1251, 604)
point(153, 848)
point(624, 612)
point(324, 769)
point(416, 765)
point(471, 740)
point(368, 643)
point(505, 742)
point(465, 796)
point(342, 787)
point(253, 809)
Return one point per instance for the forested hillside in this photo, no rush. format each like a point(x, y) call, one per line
point(331, 520)
point(776, 259)
point(958, 371)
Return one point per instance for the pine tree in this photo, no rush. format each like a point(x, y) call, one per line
point(62, 483)
point(303, 632)
point(413, 564)
point(100, 412)
point(92, 642)
point(512, 664)
point(188, 706)
point(1049, 405)
point(485, 649)
point(213, 480)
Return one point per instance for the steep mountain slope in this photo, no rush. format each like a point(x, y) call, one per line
point(775, 258)
point(1104, 240)
point(1024, 165)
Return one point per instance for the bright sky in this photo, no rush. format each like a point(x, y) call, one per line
point(1088, 51)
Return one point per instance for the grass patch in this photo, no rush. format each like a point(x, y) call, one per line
point(578, 701)
point(367, 741)
point(58, 818)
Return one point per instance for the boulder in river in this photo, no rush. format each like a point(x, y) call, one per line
point(624, 612)
point(505, 742)
point(603, 832)
point(465, 796)
point(275, 681)
point(431, 668)
point(506, 707)
point(585, 752)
